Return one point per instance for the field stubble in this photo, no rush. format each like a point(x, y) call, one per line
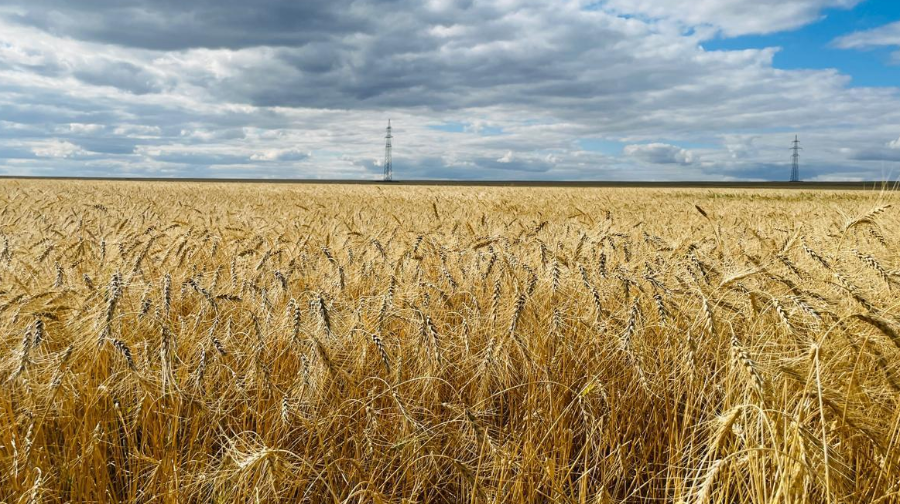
point(224, 342)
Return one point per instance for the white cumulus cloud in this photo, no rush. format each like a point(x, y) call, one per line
point(56, 149)
point(660, 153)
point(887, 35)
point(281, 155)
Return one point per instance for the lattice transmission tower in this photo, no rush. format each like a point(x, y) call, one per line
point(795, 168)
point(388, 161)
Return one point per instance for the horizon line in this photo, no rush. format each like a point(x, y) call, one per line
point(770, 184)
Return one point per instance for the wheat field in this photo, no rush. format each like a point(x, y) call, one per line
point(204, 342)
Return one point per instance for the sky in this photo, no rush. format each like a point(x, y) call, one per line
point(475, 89)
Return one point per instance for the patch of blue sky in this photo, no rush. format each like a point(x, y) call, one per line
point(812, 47)
point(607, 147)
point(488, 131)
point(449, 127)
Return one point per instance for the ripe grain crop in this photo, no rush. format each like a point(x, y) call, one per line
point(184, 342)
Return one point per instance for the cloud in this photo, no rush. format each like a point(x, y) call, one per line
point(57, 149)
point(85, 129)
point(741, 146)
point(875, 154)
point(734, 17)
point(119, 74)
point(883, 36)
point(215, 88)
point(178, 25)
point(138, 131)
point(660, 153)
point(281, 155)
point(887, 35)
point(888, 152)
point(206, 135)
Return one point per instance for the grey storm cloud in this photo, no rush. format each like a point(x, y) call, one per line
point(303, 88)
point(876, 154)
point(397, 53)
point(122, 75)
point(176, 24)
